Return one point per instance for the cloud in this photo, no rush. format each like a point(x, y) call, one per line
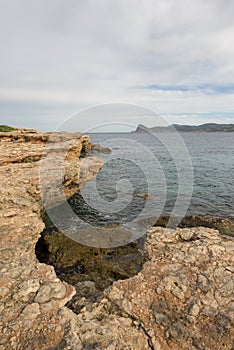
point(203, 88)
point(58, 57)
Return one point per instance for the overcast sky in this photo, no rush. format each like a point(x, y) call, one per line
point(61, 56)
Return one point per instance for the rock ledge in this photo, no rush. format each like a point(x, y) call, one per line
point(31, 294)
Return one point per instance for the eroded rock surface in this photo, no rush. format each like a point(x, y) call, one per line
point(183, 296)
point(30, 293)
point(90, 270)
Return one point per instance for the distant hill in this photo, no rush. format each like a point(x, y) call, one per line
point(208, 127)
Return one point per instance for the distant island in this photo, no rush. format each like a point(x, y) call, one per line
point(208, 127)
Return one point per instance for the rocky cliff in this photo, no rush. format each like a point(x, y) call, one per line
point(31, 294)
point(208, 127)
point(181, 299)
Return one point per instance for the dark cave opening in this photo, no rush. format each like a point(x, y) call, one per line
point(90, 270)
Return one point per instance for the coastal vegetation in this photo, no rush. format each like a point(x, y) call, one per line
point(6, 128)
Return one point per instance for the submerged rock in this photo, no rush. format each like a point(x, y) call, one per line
point(223, 225)
point(97, 149)
point(76, 263)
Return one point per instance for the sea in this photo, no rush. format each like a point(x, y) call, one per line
point(146, 177)
point(167, 173)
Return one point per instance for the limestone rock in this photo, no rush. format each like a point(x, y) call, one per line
point(31, 295)
point(183, 297)
point(75, 262)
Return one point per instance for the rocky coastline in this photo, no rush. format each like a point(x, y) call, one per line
point(176, 294)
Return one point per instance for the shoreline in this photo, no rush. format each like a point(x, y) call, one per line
point(180, 297)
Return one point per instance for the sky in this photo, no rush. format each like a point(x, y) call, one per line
point(61, 57)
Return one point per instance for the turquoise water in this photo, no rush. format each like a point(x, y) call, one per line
point(153, 168)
